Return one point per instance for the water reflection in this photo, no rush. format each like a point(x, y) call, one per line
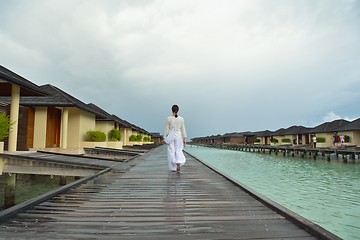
point(23, 179)
point(29, 186)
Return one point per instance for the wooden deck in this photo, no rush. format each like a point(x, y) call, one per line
point(149, 202)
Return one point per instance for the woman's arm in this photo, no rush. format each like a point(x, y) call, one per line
point(183, 131)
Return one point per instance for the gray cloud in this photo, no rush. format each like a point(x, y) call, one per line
point(231, 66)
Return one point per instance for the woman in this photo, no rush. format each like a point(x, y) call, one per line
point(175, 154)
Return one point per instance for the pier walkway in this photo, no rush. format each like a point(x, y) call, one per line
point(149, 202)
point(348, 153)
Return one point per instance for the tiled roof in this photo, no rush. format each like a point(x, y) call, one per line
point(352, 126)
point(239, 134)
point(56, 97)
point(329, 126)
point(278, 132)
point(296, 130)
point(263, 133)
point(155, 135)
point(12, 77)
point(107, 116)
point(112, 117)
point(122, 122)
point(234, 134)
point(130, 125)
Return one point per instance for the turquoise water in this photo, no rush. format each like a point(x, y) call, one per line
point(327, 194)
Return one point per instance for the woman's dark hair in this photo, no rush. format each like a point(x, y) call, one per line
point(175, 109)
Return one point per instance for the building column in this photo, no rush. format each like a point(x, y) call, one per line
point(14, 117)
point(124, 136)
point(64, 129)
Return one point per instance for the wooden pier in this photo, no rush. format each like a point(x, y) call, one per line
point(350, 153)
point(149, 202)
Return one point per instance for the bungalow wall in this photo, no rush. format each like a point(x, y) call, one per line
point(218, 140)
point(157, 140)
point(278, 138)
point(104, 126)
point(124, 136)
point(354, 137)
point(136, 133)
point(328, 139)
point(237, 140)
point(264, 140)
point(293, 139)
point(128, 132)
point(250, 140)
point(79, 122)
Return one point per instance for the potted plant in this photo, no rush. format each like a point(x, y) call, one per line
point(114, 137)
point(95, 139)
point(96, 136)
point(5, 125)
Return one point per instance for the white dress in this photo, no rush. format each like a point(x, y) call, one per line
point(174, 150)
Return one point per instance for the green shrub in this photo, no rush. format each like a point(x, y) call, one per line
point(132, 138)
point(5, 126)
point(147, 139)
point(286, 140)
point(139, 138)
point(114, 135)
point(274, 140)
point(257, 140)
point(320, 139)
point(96, 136)
point(347, 138)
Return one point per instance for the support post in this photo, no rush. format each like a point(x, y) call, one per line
point(9, 191)
point(62, 181)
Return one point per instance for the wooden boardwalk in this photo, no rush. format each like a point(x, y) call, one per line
point(349, 153)
point(149, 202)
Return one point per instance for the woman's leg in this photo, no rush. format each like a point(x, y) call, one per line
point(171, 156)
point(179, 155)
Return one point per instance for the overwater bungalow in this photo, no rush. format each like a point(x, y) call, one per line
point(136, 135)
point(12, 86)
point(262, 137)
point(325, 132)
point(276, 137)
point(352, 131)
point(297, 135)
point(47, 117)
point(127, 129)
point(106, 125)
point(294, 135)
point(156, 138)
point(57, 120)
point(213, 139)
point(239, 138)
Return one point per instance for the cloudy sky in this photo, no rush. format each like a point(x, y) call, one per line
point(231, 65)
